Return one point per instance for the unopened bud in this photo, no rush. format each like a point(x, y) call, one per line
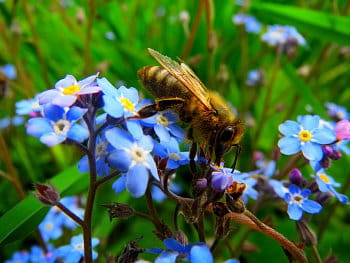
point(307, 236)
point(325, 162)
point(323, 197)
point(130, 252)
point(181, 237)
point(119, 210)
point(336, 155)
point(295, 177)
point(47, 194)
point(201, 183)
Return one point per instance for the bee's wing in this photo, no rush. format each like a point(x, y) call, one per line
point(185, 75)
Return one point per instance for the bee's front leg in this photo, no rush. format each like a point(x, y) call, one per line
point(159, 105)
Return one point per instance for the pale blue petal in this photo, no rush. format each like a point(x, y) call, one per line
point(201, 254)
point(311, 207)
point(119, 138)
point(129, 93)
point(107, 88)
point(137, 180)
point(162, 133)
point(68, 80)
point(120, 184)
point(295, 212)
point(310, 122)
point(135, 128)
point(53, 112)
point(153, 167)
point(172, 244)
point(289, 145)
point(51, 139)
point(64, 100)
point(78, 133)
point(88, 80)
point(119, 160)
point(312, 151)
point(177, 131)
point(112, 106)
point(166, 257)
point(83, 164)
point(47, 96)
point(146, 143)
point(75, 113)
point(289, 128)
point(38, 126)
point(324, 136)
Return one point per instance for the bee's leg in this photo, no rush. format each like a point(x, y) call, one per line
point(193, 152)
point(158, 105)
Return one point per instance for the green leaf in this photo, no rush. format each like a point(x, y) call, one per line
point(315, 23)
point(25, 217)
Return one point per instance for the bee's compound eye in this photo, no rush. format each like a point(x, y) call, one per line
point(227, 134)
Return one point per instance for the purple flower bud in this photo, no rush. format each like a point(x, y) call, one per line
point(202, 183)
point(47, 194)
point(295, 177)
point(326, 162)
point(327, 150)
point(336, 155)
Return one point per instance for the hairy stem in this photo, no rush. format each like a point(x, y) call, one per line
point(69, 213)
point(87, 226)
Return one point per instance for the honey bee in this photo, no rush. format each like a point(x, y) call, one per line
point(213, 124)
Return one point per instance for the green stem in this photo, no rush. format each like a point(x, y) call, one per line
point(324, 224)
point(87, 226)
point(267, 99)
point(194, 29)
point(152, 209)
point(36, 44)
point(87, 51)
point(316, 254)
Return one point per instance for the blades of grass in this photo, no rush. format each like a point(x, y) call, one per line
point(302, 89)
point(315, 23)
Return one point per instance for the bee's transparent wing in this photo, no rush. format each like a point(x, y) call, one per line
point(185, 75)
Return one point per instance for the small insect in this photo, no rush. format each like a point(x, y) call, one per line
point(212, 123)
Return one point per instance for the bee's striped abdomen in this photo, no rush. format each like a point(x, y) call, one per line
point(161, 84)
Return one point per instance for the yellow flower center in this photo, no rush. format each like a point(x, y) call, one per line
point(49, 226)
point(61, 127)
point(139, 155)
point(79, 247)
point(297, 198)
point(174, 156)
point(127, 104)
point(162, 120)
point(305, 136)
point(71, 89)
point(324, 178)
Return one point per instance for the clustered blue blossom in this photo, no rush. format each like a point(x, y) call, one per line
point(136, 147)
point(251, 24)
point(280, 35)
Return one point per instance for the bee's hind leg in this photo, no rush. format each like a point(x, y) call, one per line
point(158, 105)
point(193, 152)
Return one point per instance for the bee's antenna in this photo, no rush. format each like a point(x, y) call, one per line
point(238, 151)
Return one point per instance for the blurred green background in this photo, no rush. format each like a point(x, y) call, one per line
point(45, 40)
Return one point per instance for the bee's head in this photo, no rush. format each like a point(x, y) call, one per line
point(226, 137)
